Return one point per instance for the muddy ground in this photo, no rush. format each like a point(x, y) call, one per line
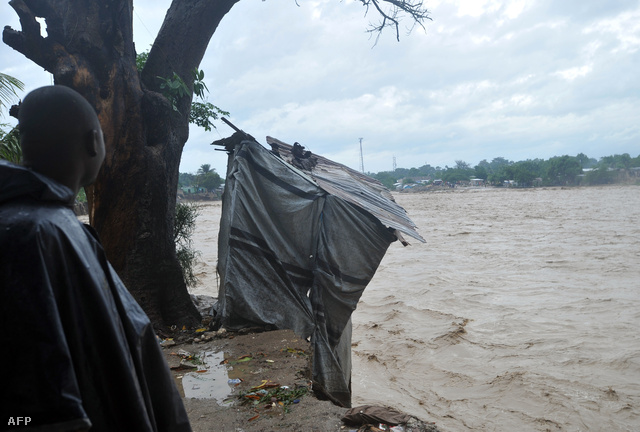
point(258, 365)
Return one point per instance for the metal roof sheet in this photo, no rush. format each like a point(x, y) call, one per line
point(350, 185)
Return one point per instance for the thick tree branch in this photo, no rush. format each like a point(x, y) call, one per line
point(183, 39)
point(29, 42)
point(180, 46)
point(74, 44)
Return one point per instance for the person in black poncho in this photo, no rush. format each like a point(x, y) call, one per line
point(78, 351)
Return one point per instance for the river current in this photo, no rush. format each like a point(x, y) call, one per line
point(521, 312)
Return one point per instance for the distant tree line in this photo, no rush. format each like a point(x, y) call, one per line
point(206, 178)
point(556, 171)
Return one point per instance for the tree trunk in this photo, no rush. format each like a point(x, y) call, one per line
point(132, 204)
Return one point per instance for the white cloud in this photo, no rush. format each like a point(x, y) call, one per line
point(514, 9)
point(476, 8)
point(480, 39)
point(625, 28)
point(518, 79)
point(522, 100)
point(574, 72)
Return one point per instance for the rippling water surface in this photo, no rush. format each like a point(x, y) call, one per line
point(521, 312)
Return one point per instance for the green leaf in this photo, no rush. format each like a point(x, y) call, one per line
point(10, 149)
point(8, 87)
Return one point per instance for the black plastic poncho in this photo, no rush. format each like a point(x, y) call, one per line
point(78, 351)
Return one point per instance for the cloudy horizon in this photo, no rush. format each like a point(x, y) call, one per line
point(515, 79)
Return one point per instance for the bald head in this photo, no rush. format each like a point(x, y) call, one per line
point(61, 136)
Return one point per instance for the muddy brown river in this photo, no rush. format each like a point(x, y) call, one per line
point(521, 312)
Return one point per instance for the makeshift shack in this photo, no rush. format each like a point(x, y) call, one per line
point(300, 238)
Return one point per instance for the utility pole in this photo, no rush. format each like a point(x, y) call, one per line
point(361, 158)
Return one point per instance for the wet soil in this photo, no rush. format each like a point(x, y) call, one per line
point(276, 358)
point(215, 375)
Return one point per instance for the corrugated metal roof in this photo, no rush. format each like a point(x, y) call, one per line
point(350, 185)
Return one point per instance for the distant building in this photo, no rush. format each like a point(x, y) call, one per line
point(192, 189)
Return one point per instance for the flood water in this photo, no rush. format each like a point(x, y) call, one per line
point(211, 381)
point(521, 312)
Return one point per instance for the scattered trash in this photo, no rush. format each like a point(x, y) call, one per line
point(371, 414)
point(280, 397)
point(188, 361)
point(186, 364)
point(167, 342)
point(235, 381)
point(296, 351)
point(265, 384)
point(413, 424)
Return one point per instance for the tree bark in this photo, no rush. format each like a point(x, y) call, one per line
point(89, 47)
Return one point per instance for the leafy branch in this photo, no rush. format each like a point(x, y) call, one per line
point(10, 149)
point(202, 112)
point(174, 89)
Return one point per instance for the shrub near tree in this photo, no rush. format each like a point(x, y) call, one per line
point(186, 214)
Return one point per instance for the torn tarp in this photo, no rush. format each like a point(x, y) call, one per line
point(294, 256)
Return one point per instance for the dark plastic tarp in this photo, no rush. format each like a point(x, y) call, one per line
point(292, 256)
point(78, 351)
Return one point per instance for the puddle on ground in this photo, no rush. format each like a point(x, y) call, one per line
point(211, 381)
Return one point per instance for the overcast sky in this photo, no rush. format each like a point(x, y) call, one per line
point(519, 79)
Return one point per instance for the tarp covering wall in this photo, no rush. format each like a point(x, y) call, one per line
point(293, 256)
